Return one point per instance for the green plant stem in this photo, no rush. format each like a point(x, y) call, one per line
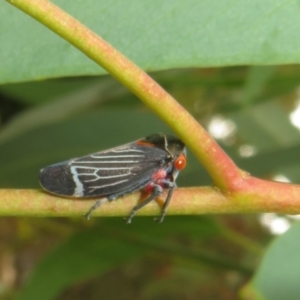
point(185, 201)
point(237, 191)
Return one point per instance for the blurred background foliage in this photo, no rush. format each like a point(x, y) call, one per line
point(54, 105)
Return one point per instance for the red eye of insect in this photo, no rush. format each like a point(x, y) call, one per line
point(180, 162)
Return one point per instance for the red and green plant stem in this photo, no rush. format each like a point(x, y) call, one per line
point(236, 191)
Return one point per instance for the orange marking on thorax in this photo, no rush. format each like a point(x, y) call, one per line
point(143, 143)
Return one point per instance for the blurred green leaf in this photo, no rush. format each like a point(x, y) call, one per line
point(83, 255)
point(21, 158)
point(265, 125)
point(256, 81)
point(113, 243)
point(156, 35)
point(282, 160)
point(278, 275)
point(42, 91)
point(74, 102)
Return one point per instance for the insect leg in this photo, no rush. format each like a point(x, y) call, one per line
point(156, 192)
point(95, 206)
point(171, 186)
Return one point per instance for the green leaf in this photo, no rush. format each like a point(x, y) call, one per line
point(156, 35)
point(265, 125)
point(77, 100)
point(83, 255)
point(278, 275)
point(37, 92)
point(23, 156)
point(96, 251)
point(256, 82)
point(282, 160)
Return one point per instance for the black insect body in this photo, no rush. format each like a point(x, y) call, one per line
point(151, 164)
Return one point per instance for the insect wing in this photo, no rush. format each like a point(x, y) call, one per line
point(114, 172)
